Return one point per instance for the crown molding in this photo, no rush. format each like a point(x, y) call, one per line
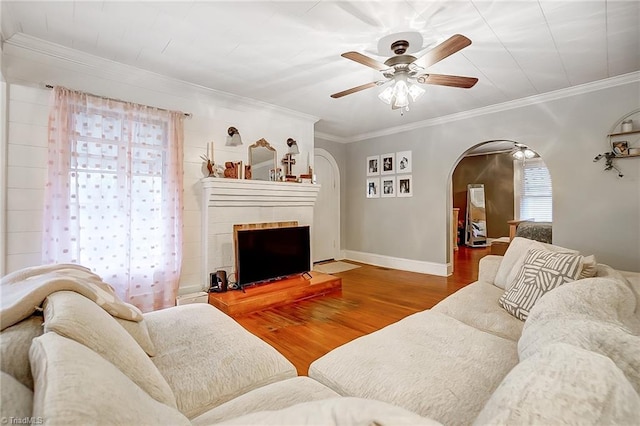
point(107, 68)
point(330, 137)
point(607, 83)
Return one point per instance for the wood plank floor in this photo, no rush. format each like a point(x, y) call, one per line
point(371, 298)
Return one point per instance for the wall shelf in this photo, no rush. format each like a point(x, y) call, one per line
point(617, 145)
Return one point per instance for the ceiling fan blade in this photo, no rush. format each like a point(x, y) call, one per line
point(365, 60)
point(448, 47)
point(448, 80)
point(355, 89)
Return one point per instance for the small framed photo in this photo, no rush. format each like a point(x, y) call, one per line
point(373, 188)
point(620, 148)
point(405, 186)
point(373, 165)
point(388, 164)
point(388, 187)
point(403, 162)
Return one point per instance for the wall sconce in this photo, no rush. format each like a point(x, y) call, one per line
point(234, 138)
point(293, 146)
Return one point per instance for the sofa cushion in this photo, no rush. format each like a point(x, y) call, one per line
point(16, 400)
point(74, 316)
point(541, 272)
point(514, 257)
point(596, 314)
point(338, 411)
point(139, 331)
point(15, 342)
point(477, 305)
point(75, 385)
point(563, 384)
point(429, 363)
point(275, 396)
point(208, 358)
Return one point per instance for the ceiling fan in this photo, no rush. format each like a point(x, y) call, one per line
point(404, 69)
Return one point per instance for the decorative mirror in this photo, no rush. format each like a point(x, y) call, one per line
point(262, 158)
point(476, 229)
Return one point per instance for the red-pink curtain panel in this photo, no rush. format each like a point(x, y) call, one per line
point(113, 199)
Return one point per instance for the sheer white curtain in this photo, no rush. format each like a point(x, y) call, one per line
point(113, 200)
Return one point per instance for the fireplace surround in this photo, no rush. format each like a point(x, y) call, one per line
point(229, 202)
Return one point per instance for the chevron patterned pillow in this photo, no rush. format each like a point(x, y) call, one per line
point(541, 272)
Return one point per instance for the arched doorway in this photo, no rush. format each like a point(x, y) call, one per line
point(517, 186)
point(326, 212)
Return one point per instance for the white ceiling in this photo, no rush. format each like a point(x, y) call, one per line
point(288, 52)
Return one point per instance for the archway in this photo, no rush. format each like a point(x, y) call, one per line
point(517, 186)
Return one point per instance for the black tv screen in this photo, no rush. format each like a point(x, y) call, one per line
point(271, 253)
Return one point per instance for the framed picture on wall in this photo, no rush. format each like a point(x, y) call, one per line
point(373, 188)
point(405, 186)
point(388, 187)
point(373, 165)
point(388, 164)
point(403, 162)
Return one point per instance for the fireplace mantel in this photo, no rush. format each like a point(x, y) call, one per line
point(227, 202)
point(220, 192)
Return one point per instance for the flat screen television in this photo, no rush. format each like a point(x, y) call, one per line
point(271, 253)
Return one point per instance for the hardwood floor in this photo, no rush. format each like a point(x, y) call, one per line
point(371, 298)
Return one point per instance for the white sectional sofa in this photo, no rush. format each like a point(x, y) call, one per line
point(74, 363)
point(575, 360)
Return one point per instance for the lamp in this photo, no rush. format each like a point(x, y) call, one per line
point(523, 153)
point(398, 95)
point(234, 138)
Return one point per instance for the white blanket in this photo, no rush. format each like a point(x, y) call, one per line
point(22, 292)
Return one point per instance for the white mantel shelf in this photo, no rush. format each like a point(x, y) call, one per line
point(220, 192)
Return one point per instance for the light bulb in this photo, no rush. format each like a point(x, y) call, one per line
point(529, 154)
point(518, 155)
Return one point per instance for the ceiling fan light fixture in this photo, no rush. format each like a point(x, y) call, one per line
point(415, 92)
point(386, 95)
point(523, 153)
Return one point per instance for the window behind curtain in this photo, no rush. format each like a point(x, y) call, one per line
point(533, 190)
point(114, 197)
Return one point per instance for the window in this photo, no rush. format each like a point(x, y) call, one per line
point(532, 188)
point(114, 195)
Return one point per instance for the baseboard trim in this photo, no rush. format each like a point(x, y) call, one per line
point(411, 265)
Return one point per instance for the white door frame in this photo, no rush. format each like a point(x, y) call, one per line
point(320, 152)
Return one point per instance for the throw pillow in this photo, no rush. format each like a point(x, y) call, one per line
point(16, 400)
point(514, 257)
point(15, 342)
point(589, 267)
point(541, 272)
point(74, 385)
point(140, 332)
point(74, 316)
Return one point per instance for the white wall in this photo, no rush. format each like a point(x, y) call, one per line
point(593, 210)
point(212, 113)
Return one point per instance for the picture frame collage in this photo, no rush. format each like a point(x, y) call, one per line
point(389, 175)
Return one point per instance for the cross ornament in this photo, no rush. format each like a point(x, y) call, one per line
point(288, 161)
